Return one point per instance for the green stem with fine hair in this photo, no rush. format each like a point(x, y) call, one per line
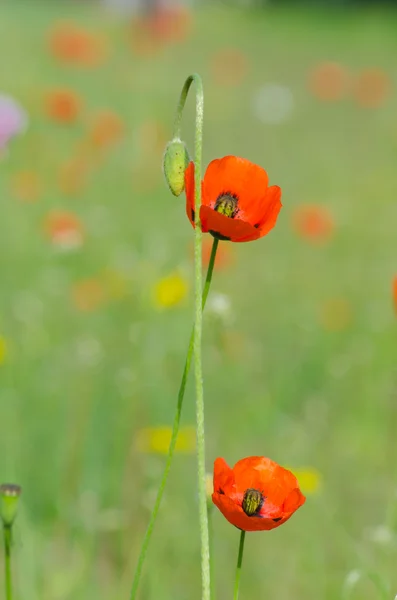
point(7, 562)
point(198, 327)
point(175, 431)
point(211, 534)
point(239, 563)
point(194, 347)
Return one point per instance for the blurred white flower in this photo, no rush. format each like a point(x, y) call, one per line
point(89, 351)
point(219, 305)
point(352, 578)
point(380, 535)
point(273, 103)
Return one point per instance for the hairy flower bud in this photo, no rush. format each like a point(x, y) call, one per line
point(176, 159)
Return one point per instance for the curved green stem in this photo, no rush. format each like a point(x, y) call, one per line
point(174, 436)
point(7, 562)
point(239, 563)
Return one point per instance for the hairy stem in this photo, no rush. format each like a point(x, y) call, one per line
point(174, 436)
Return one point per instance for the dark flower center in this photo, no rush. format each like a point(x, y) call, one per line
point(227, 204)
point(252, 502)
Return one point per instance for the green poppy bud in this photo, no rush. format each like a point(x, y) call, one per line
point(9, 496)
point(176, 159)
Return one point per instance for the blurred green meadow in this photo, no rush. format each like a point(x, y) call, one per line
point(299, 347)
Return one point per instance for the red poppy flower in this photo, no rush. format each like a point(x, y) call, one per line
point(237, 204)
point(257, 494)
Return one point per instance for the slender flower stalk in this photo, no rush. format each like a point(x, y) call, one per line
point(201, 295)
point(198, 326)
point(7, 562)
point(175, 431)
point(239, 563)
point(211, 537)
point(9, 496)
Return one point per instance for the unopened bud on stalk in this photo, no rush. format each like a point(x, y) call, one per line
point(9, 496)
point(176, 160)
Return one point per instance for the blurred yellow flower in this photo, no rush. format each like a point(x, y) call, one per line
point(3, 350)
point(310, 480)
point(156, 440)
point(170, 291)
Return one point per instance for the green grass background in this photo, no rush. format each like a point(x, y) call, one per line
point(286, 388)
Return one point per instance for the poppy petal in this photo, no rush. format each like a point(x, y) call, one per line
point(189, 190)
point(272, 207)
point(253, 472)
point(233, 512)
point(239, 177)
point(293, 501)
point(226, 228)
point(224, 482)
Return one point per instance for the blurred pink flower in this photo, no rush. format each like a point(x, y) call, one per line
point(13, 119)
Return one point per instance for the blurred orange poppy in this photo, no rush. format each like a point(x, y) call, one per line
point(313, 222)
point(329, 81)
point(163, 25)
point(72, 44)
point(237, 204)
point(64, 229)
point(229, 66)
point(107, 128)
point(170, 24)
point(256, 494)
point(394, 291)
point(372, 88)
point(63, 105)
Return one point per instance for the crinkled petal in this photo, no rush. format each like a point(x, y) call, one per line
point(226, 228)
